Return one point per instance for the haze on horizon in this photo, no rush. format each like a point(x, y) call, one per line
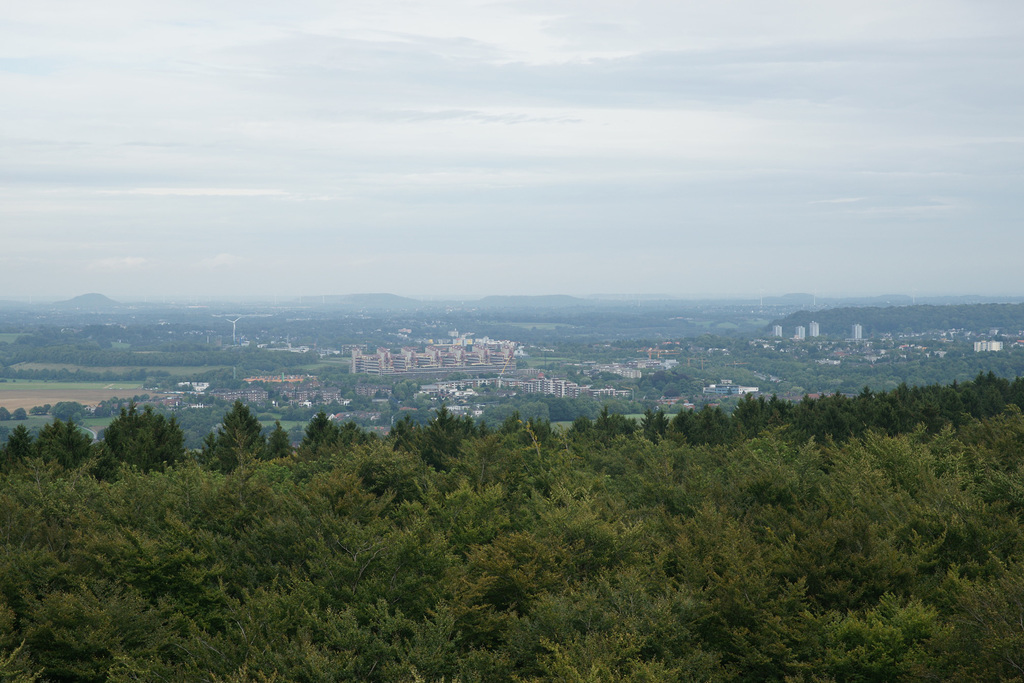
point(265, 148)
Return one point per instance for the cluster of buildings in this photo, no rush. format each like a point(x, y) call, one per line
point(303, 389)
point(617, 369)
point(726, 388)
point(248, 394)
point(550, 386)
point(813, 330)
point(481, 357)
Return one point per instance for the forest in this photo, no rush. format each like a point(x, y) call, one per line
point(879, 320)
point(838, 539)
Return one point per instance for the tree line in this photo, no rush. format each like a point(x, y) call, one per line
point(877, 320)
point(614, 550)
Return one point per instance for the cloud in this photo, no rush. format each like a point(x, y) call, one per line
point(198, 192)
point(220, 261)
point(708, 128)
point(122, 263)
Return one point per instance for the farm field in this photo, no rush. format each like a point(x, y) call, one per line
point(170, 369)
point(9, 337)
point(26, 394)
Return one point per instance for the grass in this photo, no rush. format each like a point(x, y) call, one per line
point(29, 393)
point(37, 422)
point(9, 337)
point(46, 385)
point(176, 370)
point(32, 422)
point(97, 423)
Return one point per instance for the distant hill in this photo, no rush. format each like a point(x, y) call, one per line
point(373, 300)
point(88, 302)
point(542, 301)
point(1008, 318)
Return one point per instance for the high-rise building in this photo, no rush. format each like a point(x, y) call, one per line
point(777, 331)
point(801, 332)
point(858, 331)
point(814, 331)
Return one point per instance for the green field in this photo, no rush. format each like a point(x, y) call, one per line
point(37, 422)
point(32, 422)
point(46, 385)
point(170, 369)
point(28, 393)
point(9, 337)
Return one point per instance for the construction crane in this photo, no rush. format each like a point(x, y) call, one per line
point(504, 367)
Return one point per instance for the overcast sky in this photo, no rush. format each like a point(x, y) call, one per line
point(433, 148)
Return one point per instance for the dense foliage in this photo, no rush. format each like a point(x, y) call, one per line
point(839, 539)
point(920, 318)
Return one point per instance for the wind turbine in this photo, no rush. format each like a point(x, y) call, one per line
point(233, 322)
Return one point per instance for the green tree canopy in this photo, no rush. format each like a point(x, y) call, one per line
point(144, 439)
point(237, 440)
point(64, 443)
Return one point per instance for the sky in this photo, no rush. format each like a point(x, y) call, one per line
point(733, 148)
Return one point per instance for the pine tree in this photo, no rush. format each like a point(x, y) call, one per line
point(63, 442)
point(237, 440)
point(144, 439)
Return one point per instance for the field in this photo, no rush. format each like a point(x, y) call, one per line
point(9, 337)
point(92, 425)
point(177, 370)
point(26, 394)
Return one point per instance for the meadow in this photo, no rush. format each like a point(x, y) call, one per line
point(177, 370)
point(25, 394)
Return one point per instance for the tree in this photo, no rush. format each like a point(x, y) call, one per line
point(236, 441)
point(19, 414)
point(64, 443)
point(4, 414)
point(654, 425)
point(279, 445)
point(69, 410)
point(441, 440)
point(144, 439)
point(19, 446)
point(320, 431)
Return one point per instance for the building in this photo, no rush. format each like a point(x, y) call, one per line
point(553, 387)
point(814, 330)
point(624, 370)
point(371, 390)
point(247, 395)
point(777, 331)
point(438, 359)
point(988, 346)
point(727, 388)
point(857, 332)
point(801, 332)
